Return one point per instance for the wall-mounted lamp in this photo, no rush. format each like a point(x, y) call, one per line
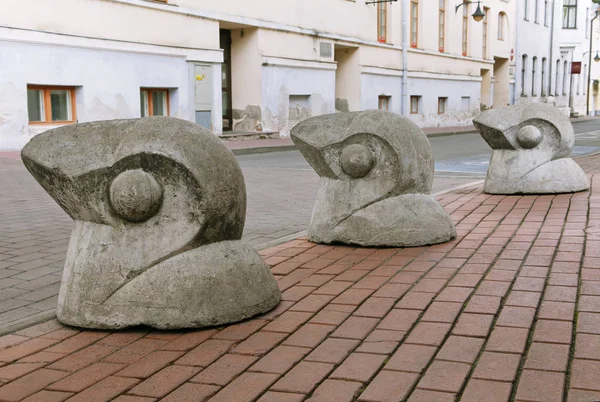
point(597, 57)
point(478, 15)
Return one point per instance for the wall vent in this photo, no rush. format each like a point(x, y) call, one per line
point(326, 50)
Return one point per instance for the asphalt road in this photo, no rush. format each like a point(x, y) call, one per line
point(469, 155)
point(464, 155)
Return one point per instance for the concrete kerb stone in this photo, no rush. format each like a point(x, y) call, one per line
point(29, 321)
point(263, 150)
point(282, 148)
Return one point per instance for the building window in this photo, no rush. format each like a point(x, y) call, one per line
point(384, 102)
point(382, 22)
point(587, 23)
point(501, 17)
point(51, 104)
point(569, 14)
point(465, 30)
point(154, 102)
point(442, 25)
point(565, 74)
point(557, 80)
point(442, 102)
point(545, 12)
point(536, 12)
point(414, 104)
point(526, 13)
point(523, 74)
point(414, 23)
point(533, 68)
point(543, 81)
point(485, 33)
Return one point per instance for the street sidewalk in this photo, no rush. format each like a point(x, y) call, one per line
point(509, 310)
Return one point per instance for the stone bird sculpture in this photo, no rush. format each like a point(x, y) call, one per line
point(159, 206)
point(376, 172)
point(532, 146)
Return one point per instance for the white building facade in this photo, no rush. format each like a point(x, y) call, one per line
point(264, 65)
point(60, 64)
point(557, 63)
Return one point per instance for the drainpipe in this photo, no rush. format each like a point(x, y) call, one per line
point(571, 83)
point(551, 60)
point(405, 16)
point(587, 111)
point(517, 57)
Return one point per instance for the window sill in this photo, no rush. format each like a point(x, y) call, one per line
point(53, 123)
point(164, 3)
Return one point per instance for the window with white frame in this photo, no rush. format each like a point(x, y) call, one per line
point(501, 22)
point(533, 68)
point(523, 74)
point(442, 25)
point(569, 14)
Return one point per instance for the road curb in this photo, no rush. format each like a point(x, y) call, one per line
point(263, 150)
point(294, 236)
point(291, 147)
point(35, 319)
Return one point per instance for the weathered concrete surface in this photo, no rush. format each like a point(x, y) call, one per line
point(376, 172)
point(532, 146)
point(159, 206)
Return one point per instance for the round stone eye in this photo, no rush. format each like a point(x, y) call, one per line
point(529, 137)
point(135, 195)
point(357, 160)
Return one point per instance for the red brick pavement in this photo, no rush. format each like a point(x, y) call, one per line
point(510, 310)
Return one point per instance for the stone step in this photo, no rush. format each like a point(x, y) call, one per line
point(244, 136)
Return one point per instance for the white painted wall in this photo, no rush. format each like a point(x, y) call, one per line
point(541, 48)
point(430, 89)
point(280, 81)
point(108, 84)
point(375, 83)
point(574, 43)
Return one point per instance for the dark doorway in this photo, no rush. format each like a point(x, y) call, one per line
point(225, 44)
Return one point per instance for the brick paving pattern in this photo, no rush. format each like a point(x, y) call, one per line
point(35, 231)
point(508, 311)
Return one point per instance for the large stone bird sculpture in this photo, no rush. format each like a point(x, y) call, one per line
point(376, 172)
point(159, 206)
point(532, 145)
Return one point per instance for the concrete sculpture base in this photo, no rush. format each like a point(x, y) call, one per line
point(532, 146)
point(159, 207)
point(376, 172)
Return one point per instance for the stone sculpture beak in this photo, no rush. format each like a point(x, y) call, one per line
point(314, 149)
point(497, 127)
point(80, 194)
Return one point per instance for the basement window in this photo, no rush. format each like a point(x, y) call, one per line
point(415, 102)
point(442, 105)
point(154, 102)
point(384, 102)
point(50, 104)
